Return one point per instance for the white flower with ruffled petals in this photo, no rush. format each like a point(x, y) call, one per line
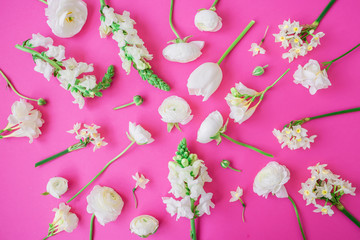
point(138, 134)
point(144, 225)
point(57, 52)
point(57, 186)
point(44, 68)
point(183, 52)
point(208, 21)
point(39, 40)
point(210, 127)
point(64, 220)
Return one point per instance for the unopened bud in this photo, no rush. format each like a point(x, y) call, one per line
point(258, 71)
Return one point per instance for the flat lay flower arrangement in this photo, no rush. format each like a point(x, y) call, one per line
point(231, 141)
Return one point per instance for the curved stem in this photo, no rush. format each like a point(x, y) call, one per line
point(334, 113)
point(92, 226)
point(269, 87)
point(102, 170)
point(327, 8)
point(13, 88)
point(52, 157)
point(46, 59)
point(242, 34)
point(213, 6)
point(192, 221)
point(246, 145)
point(170, 19)
point(133, 191)
point(298, 217)
point(243, 211)
point(349, 215)
point(43, 1)
point(123, 106)
point(331, 62)
point(234, 169)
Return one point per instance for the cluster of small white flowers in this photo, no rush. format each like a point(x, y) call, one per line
point(68, 77)
point(25, 120)
point(88, 133)
point(295, 35)
point(187, 182)
point(324, 184)
point(294, 138)
point(132, 49)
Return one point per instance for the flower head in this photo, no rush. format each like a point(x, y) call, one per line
point(294, 138)
point(39, 40)
point(210, 127)
point(141, 181)
point(138, 134)
point(256, 49)
point(88, 134)
point(57, 186)
point(235, 195)
point(66, 17)
point(271, 179)
point(105, 203)
point(144, 225)
point(183, 52)
point(208, 21)
point(64, 220)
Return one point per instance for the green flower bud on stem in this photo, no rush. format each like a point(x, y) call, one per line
point(41, 101)
point(258, 71)
point(138, 100)
point(226, 164)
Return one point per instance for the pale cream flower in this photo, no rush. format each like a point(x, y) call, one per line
point(44, 67)
point(183, 52)
point(141, 181)
point(208, 21)
point(210, 127)
point(57, 186)
point(144, 225)
point(64, 220)
point(39, 40)
point(139, 135)
point(235, 195)
point(256, 49)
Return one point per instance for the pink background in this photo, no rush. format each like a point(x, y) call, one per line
point(26, 214)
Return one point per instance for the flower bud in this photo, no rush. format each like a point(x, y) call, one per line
point(258, 71)
point(184, 162)
point(225, 163)
point(138, 100)
point(41, 101)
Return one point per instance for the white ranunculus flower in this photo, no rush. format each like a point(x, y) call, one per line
point(311, 76)
point(66, 17)
point(105, 203)
point(138, 134)
point(39, 40)
point(175, 110)
point(204, 80)
point(207, 20)
point(183, 52)
point(57, 186)
point(210, 127)
point(271, 179)
point(144, 225)
point(64, 220)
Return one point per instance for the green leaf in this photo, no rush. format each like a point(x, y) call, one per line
point(45, 193)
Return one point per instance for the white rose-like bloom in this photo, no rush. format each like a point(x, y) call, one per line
point(271, 179)
point(105, 203)
point(175, 109)
point(311, 76)
point(207, 20)
point(183, 52)
point(57, 186)
point(138, 134)
point(210, 127)
point(64, 220)
point(144, 225)
point(66, 17)
point(204, 80)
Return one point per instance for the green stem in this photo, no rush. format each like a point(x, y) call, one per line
point(246, 145)
point(349, 215)
point(213, 6)
point(46, 59)
point(170, 19)
point(263, 39)
point(46, 237)
point(327, 8)
point(334, 113)
point(243, 211)
point(103, 4)
point(102, 170)
point(13, 88)
point(269, 87)
point(123, 106)
point(331, 62)
point(92, 226)
point(242, 34)
point(133, 191)
point(52, 157)
point(192, 221)
point(43, 1)
point(298, 217)
point(236, 170)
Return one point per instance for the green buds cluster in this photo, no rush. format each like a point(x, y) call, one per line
point(183, 156)
point(258, 71)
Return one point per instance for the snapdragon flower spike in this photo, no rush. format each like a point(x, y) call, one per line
point(226, 164)
point(242, 98)
point(256, 48)
point(187, 176)
point(138, 135)
point(69, 72)
point(294, 136)
point(298, 36)
point(236, 195)
point(39, 101)
point(85, 134)
point(141, 182)
point(132, 49)
point(325, 185)
point(137, 100)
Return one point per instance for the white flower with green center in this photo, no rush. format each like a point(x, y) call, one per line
point(144, 225)
point(324, 210)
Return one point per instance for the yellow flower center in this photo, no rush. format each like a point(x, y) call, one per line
point(297, 50)
point(295, 29)
point(307, 192)
point(296, 40)
point(69, 19)
point(282, 38)
point(309, 48)
point(324, 192)
point(324, 210)
point(237, 195)
point(257, 49)
point(299, 139)
point(287, 132)
point(298, 130)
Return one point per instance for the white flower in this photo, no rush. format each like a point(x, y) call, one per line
point(182, 208)
point(88, 81)
point(325, 210)
point(66, 17)
point(315, 41)
point(138, 134)
point(57, 186)
point(39, 40)
point(98, 143)
point(171, 205)
point(44, 68)
point(207, 20)
point(104, 30)
point(75, 129)
point(256, 49)
point(204, 80)
point(311, 76)
point(105, 203)
point(308, 193)
point(64, 220)
point(57, 52)
point(235, 195)
point(183, 52)
point(144, 225)
point(140, 181)
point(294, 138)
point(324, 190)
point(205, 204)
point(175, 110)
point(79, 99)
point(271, 179)
point(210, 127)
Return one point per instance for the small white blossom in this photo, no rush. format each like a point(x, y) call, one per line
point(183, 52)
point(324, 210)
point(141, 181)
point(57, 186)
point(79, 99)
point(256, 49)
point(205, 204)
point(138, 134)
point(44, 68)
point(57, 52)
point(294, 138)
point(39, 40)
point(235, 195)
